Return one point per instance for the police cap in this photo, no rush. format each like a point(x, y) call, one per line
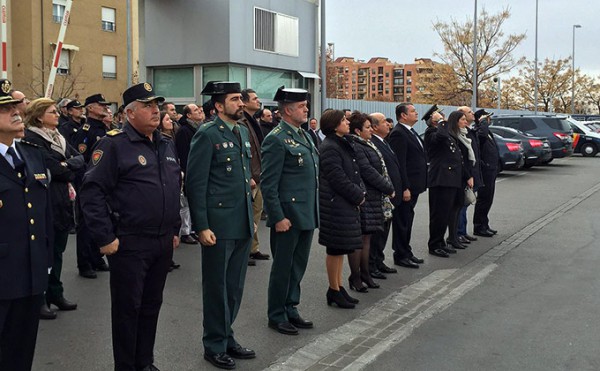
point(74, 104)
point(5, 87)
point(96, 98)
point(482, 113)
point(221, 87)
point(290, 95)
point(143, 92)
point(430, 112)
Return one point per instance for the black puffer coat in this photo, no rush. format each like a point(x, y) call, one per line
point(371, 172)
point(341, 191)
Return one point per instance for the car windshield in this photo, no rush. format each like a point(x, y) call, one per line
point(557, 123)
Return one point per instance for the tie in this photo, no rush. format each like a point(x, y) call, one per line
point(417, 136)
point(301, 132)
point(236, 131)
point(18, 164)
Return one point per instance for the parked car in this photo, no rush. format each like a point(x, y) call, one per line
point(510, 152)
point(585, 140)
point(556, 129)
point(537, 149)
point(593, 125)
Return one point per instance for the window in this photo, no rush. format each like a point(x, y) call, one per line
point(373, 79)
point(527, 124)
point(408, 90)
point(408, 73)
point(398, 81)
point(275, 32)
point(109, 66)
point(58, 10)
point(108, 19)
point(63, 62)
point(408, 81)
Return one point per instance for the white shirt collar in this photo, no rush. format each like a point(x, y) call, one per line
point(4, 148)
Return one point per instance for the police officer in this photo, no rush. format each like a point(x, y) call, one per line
point(71, 127)
point(290, 187)
point(25, 237)
point(218, 182)
point(130, 194)
point(89, 258)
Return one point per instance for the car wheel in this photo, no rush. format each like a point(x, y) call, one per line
point(528, 165)
point(547, 162)
point(588, 150)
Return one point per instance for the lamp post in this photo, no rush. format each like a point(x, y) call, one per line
point(498, 91)
point(535, 79)
point(474, 97)
point(573, 70)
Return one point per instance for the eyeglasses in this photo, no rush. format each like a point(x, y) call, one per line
point(54, 112)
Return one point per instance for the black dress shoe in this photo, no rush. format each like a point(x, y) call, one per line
point(492, 231)
point(260, 256)
point(439, 252)
point(175, 265)
point(449, 249)
point(378, 275)
point(220, 360)
point(407, 263)
point(464, 240)
point(102, 267)
point(47, 313)
point(62, 304)
point(455, 244)
point(149, 368)
point(240, 352)
point(188, 240)
point(88, 274)
point(301, 322)
point(385, 269)
point(470, 238)
point(285, 328)
point(251, 263)
point(483, 233)
point(414, 259)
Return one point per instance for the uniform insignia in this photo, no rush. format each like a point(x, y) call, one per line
point(247, 144)
point(82, 147)
point(96, 156)
point(142, 160)
point(41, 176)
point(300, 161)
point(5, 87)
point(85, 127)
point(229, 168)
point(114, 132)
point(147, 86)
point(231, 144)
point(225, 145)
point(218, 146)
point(221, 127)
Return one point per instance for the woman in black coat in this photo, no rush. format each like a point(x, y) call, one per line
point(63, 162)
point(448, 175)
point(377, 183)
point(341, 192)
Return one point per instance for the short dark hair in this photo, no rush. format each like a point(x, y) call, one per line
point(357, 121)
point(330, 120)
point(246, 94)
point(163, 106)
point(388, 119)
point(453, 122)
point(219, 98)
point(402, 108)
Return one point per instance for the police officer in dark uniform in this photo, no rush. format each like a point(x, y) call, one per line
point(71, 127)
point(89, 258)
point(25, 237)
point(130, 194)
point(218, 183)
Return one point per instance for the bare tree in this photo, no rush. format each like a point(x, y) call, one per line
point(65, 85)
point(591, 91)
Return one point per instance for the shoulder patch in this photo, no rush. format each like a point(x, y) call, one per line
point(96, 156)
point(114, 132)
point(86, 127)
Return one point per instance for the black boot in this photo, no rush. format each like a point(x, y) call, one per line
point(337, 298)
point(47, 313)
point(355, 283)
point(348, 298)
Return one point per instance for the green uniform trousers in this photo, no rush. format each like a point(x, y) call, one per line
point(290, 252)
point(223, 273)
point(55, 286)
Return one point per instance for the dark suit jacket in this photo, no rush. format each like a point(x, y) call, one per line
point(411, 158)
point(25, 226)
point(315, 137)
point(393, 167)
point(447, 167)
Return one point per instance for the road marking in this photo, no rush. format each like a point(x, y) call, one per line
point(357, 343)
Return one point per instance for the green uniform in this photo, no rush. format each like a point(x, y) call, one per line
point(289, 183)
point(218, 189)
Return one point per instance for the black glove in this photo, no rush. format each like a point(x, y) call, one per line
point(76, 162)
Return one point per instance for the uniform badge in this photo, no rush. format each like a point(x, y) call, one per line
point(229, 168)
point(247, 144)
point(300, 161)
point(225, 145)
point(231, 144)
point(147, 86)
point(142, 160)
point(96, 156)
point(82, 148)
point(85, 127)
point(41, 176)
point(5, 87)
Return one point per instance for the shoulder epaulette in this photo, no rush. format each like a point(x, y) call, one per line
point(23, 141)
point(277, 130)
point(114, 132)
point(85, 127)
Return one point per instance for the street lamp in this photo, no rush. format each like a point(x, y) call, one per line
point(497, 79)
point(474, 97)
point(535, 79)
point(573, 70)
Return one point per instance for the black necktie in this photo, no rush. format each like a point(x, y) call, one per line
point(236, 131)
point(19, 165)
point(417, 136)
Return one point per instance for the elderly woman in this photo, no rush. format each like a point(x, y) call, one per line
point(63, 161)
point(449, 173)
point(341, 192)
point(374, 175)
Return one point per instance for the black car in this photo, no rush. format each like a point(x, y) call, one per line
point(556, 129)
point(510, 153)
point(537, 149)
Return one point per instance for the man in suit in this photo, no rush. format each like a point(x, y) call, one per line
point(379, 239)
point(25, 237)
point(408, 147)
point(314, 132)
point(289, 184)
point(218, 186)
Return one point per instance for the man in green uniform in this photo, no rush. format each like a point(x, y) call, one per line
point(290, 193)
point(218, 182)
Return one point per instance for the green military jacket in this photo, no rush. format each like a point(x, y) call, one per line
point(289, 178)
point(217, 181)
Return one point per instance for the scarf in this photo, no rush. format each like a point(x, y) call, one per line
point(462, 136)
point(53, 136)
point(194, 124)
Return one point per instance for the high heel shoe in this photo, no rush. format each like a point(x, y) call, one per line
point(348, 298)
point(356, 285)
point(366, 278)
point(337, 298)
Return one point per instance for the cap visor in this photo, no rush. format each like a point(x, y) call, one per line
point(150, 99)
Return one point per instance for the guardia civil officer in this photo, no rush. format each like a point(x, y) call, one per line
point(290, 189)
point(218, 183)
point(26, 246)
point(130, 194)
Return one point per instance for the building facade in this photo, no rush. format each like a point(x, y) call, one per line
point(97, 56)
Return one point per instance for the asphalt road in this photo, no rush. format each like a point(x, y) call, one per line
point(522, 300)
